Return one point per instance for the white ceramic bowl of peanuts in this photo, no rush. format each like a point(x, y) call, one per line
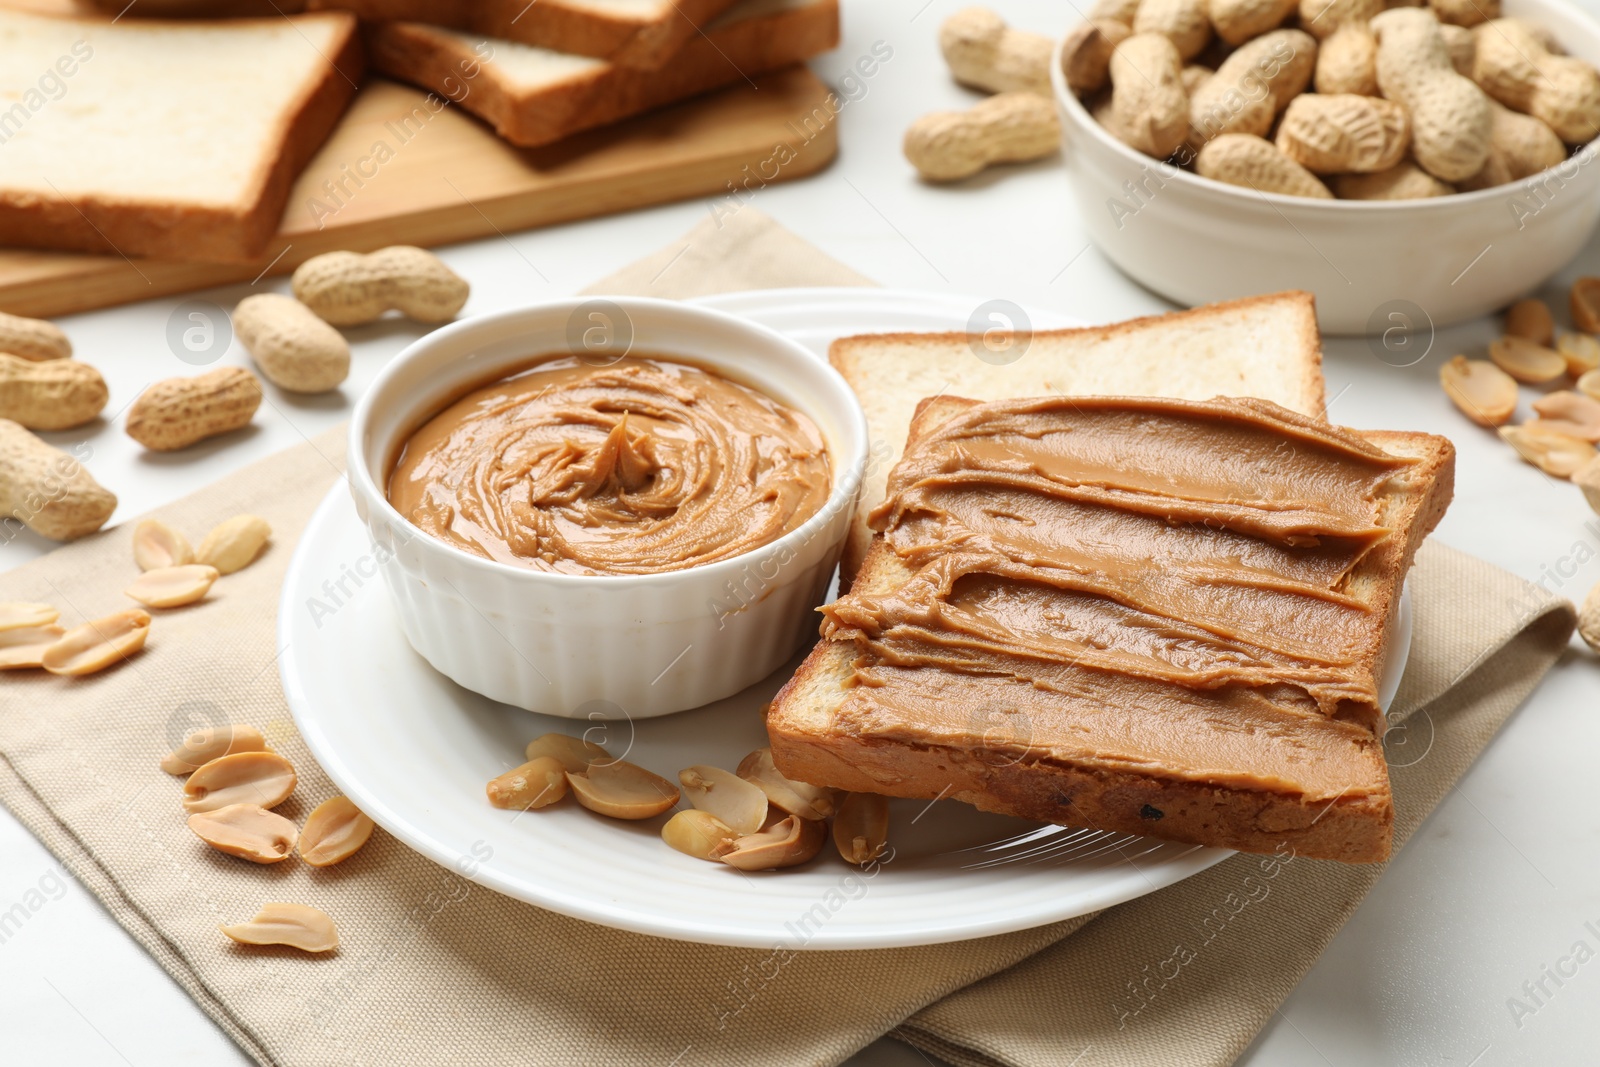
point(1409, 166)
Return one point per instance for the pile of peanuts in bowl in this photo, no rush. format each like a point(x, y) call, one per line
point(1347, 99)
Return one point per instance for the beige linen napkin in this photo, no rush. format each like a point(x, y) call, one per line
point(435, 969)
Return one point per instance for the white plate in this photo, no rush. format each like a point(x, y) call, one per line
point(414, 750)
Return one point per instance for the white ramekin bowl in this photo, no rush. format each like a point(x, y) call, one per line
point(603, 646)
point(1373, 265)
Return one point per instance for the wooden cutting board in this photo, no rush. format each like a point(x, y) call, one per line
point(449, 178)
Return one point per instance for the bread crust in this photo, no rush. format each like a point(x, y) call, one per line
point(808, 746)
point(645, 44)
point(1435, 475)
point(641, 42)
point(173, 230)
point(200, 9)
point(426, 56)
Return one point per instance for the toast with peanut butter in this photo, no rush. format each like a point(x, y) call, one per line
point(1263, 346)
point(1161, 617)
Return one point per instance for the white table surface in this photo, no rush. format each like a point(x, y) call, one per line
point(1495, 887)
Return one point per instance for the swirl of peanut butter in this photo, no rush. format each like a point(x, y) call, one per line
point(639, 467)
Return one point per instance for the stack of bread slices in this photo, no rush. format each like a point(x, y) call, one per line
point(180, 137)
point(570, 65)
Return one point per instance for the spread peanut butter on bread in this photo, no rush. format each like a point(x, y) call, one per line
point(1153, 616)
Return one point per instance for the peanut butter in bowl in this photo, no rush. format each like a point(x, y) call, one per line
point(643, 466)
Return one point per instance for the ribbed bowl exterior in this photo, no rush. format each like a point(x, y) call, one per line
point(600, 646)
point(644, 650)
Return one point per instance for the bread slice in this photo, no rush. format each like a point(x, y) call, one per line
point(533, 96)
point(949, 741)
point(190, 9)
point(175, 140)
point(1264, 346)
point(644, 34)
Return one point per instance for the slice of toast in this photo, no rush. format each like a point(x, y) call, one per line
point(1264, 346)
point(644, 34)
point(854, 720)
point(189, 9)
point(109, 147)
point(533, 96)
